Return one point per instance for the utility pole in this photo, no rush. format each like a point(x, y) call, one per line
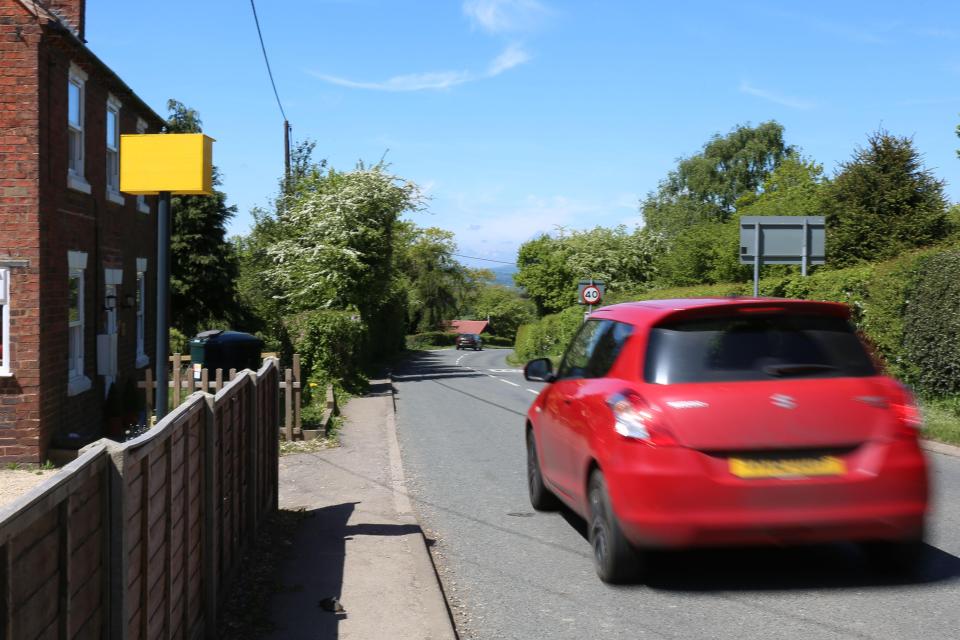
point(286, 149)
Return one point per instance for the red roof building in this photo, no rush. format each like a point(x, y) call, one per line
point(468, 326)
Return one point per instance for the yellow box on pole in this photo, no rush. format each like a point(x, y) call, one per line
point(181, 163)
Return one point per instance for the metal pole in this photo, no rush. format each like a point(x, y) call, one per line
point(163, 298)
point(756, 260)
point(286, 149)
point(803, 258)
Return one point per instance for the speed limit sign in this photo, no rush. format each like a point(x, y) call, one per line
point(591, 294)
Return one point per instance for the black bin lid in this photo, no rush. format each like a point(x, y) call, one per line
point(219, 336)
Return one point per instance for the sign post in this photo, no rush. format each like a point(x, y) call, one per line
point(161, 165)
point(590, 292)
point(781, 240)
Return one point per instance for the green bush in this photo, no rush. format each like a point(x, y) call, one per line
point(431, 339)
point(549, 336)
point(331, 344)
point(178, 342)
point(931, 340)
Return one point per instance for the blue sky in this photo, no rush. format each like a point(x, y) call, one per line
point(519, 115)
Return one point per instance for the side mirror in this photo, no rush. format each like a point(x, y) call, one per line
point(539, 370)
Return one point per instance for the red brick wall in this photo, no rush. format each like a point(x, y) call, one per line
point(41, 219)
point(19, 227)
point(112, 235)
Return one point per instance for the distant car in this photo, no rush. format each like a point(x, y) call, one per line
point(687, 423)
point(470, 341)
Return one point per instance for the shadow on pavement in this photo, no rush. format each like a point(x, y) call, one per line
point(822, 566)
point(317, 575)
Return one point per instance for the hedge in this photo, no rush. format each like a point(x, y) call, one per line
point(932, 342)
point(332, 346)
point(906, 309)
point(444, 339)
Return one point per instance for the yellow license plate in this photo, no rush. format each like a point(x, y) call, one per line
point(799, 467)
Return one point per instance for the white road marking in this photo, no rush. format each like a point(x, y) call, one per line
point(508, 382)
point(506, 370)
point(534, 392)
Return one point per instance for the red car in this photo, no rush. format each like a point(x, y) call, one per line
point(710, 422)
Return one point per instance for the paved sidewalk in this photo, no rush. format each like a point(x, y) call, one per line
point(361, 542)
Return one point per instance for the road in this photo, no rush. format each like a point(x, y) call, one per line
point(511, 573)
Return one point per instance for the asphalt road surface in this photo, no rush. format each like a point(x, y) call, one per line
point(511, 573)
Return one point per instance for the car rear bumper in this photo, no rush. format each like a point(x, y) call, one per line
point(675, 497)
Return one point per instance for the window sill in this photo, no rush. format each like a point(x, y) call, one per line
point(76, 386)
point(77, 183)
point(142, 361)
point(115, 197)
point(6, 374)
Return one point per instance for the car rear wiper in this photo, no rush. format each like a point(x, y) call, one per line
point(798, 369)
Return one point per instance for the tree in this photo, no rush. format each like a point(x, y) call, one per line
point(706, 187)
point(505, 309)
point(550, 267)
point(203, 265)
point(433, 278)
point(336, 249)
point(882, 202)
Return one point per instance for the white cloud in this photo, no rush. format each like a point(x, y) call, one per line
point(937, 32)
point(408, 82)
point(513, 56)
point(498, 16)
point(770, 96)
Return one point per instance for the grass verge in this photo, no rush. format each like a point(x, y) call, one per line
point(941, 419)
point(246, 609)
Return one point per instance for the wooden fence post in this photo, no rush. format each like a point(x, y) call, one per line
point(149, 392)
point(210, 522)
point(297, 390)
point(205, 380)
point(288, 405)
point(176, 380)
point(218, 381)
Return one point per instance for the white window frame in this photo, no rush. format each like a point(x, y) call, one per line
point(77, 381)
point(76, 163)
point(142, 205)
point(141, 296)
point(4, 322)
point(113, 153)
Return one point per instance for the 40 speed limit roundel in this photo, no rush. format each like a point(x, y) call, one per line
point(590, 294)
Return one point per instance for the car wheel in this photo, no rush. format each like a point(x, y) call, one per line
point(614, 558)
point(895, 557)
point(541, 498)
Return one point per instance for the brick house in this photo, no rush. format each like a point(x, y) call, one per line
point(75, 254)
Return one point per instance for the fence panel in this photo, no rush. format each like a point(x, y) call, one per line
point(138, 540)
point(53, 543)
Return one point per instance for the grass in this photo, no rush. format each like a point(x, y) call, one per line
point(941, 419)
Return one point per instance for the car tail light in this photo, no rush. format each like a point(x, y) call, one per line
point(904, 406)
point(634, 418)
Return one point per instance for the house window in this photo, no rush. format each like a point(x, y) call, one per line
point(142, 205)
point(76, 94)
point(142, 358)
point(77, 382)
point(4, 321)
point(113, 150)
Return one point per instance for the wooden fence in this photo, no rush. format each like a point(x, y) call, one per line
point(182, 383)
point(141, 539)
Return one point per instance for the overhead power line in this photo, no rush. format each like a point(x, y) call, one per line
point(513, 264)
point(266, 59)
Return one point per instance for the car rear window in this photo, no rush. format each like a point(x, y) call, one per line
point(758, 347)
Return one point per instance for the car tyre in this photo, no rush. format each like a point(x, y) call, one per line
point(541, 498)
point(614, 558)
